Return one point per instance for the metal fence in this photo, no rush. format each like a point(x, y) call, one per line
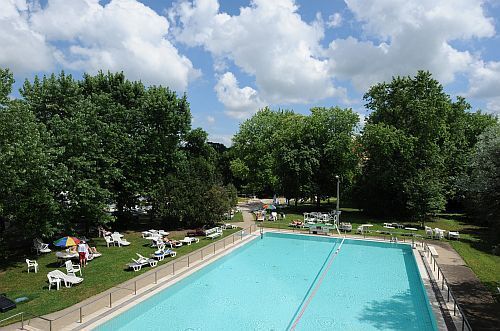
point(449, 293)
point(120, 294)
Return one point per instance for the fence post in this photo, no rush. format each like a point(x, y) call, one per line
point(233, 239)
point(135, 287)
point(110, 299)
point(173, 268)
point(50, 325)
point(81, 318)
point(188, 261)
point(22, 321)
point(224, 243)
point(214, 248)
point(156, 277)
point(202, 254)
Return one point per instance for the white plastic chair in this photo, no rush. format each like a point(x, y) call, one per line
point(72, 269)
point(54, 281)
point(109, 241)
point(32, 264)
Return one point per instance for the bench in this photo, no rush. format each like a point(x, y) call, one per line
point(213, 233)
point(433, 251)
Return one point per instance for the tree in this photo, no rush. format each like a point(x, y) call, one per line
point(331, 133)
point(28, 206)
point(442, 132)
point(482, 186)
point(254, 146)
point(6, 82)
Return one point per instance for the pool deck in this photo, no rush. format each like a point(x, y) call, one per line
point(479, 305)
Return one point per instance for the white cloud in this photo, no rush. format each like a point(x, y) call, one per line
point(334, 20)
point(210, 119)
point(239, 102)
point(121, 35)
point(415, 35)
point(22, 48)
point(493, 105)
point(484, 80)
point(225, 139)
point(267, 40)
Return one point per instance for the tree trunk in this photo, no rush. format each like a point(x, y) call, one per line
point(318, 201)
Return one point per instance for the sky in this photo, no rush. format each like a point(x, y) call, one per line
point(233, 57)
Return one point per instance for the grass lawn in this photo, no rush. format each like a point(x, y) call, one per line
point(474, 246)
point(485, 265)
point(100, 274)
point(238, 217)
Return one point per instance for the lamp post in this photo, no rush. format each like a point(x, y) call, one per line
point(338, 199)
point(338, 190)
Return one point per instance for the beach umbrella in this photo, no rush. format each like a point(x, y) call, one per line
point(269, 207)
point(66, 242)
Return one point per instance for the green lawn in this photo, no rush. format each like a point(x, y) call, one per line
point(485, 265)
point(100, 274)
point(238, 217)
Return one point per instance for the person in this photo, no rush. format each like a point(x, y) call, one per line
point(82, 253)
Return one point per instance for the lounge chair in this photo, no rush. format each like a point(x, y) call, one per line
point(428, 231)
point(103, 232)
point(137, 264)
point(174, 243)
point(93, 251)
point(189, 240)
point(345, 226)
point(67, 279)
point(143, 259)
point(438, 233)
point(296, 224)
point(118, 238)
point(453, 235)
point(32, 264)
point(213, 233)
point(162, 253)
point(72, 269)
point(40, 247)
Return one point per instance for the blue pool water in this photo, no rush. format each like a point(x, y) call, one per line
point(264, 284)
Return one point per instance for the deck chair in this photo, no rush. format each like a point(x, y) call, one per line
point(40, 247)
point(67, 279)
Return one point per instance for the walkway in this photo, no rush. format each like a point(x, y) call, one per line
point(480, 307)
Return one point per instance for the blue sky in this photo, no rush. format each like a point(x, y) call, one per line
point(233, 57)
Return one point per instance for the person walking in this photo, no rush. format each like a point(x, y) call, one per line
point(82, 253)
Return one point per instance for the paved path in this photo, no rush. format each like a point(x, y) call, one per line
point(480, 307)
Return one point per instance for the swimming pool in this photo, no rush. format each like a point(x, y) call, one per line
point(264, 285)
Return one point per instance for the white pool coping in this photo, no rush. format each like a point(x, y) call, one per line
point(106, 314)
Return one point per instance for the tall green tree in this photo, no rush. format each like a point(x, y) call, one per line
point(442, 134)
point(482, 186)
point(332, 135)
point(253, 146)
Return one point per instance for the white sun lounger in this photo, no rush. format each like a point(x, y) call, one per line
point(67, 279)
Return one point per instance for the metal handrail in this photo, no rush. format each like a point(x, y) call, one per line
point(23, 313)
point(456, 304)
point(162, 267)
